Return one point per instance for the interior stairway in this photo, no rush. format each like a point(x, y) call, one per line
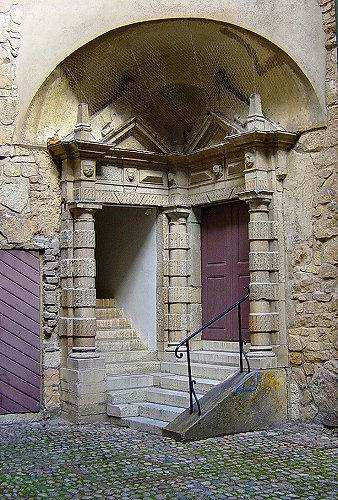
point(147, 390)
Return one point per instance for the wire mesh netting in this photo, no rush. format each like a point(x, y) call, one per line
point(172, 73)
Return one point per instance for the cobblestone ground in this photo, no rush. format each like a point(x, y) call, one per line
point(57, 460)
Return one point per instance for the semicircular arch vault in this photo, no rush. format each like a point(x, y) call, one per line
point(170, 74)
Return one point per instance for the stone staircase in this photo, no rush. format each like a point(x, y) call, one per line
point(147, 390)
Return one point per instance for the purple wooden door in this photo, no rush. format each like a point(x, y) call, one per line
point(225, 268)
point(20, 374)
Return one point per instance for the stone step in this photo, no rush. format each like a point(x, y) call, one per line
point(133, 367)
point(105, 303)
point(118, 334)
point(159, 412)
point(113, 323)
point(169, 397)
point(181, 383)
point(199, 370)
point(123, 410)
point(109, 312)
point(121, 382)
point(127, 396)
point(128, 356)
point(145, 424)
point(215, 357)
point(120, 345)
point(216, 345)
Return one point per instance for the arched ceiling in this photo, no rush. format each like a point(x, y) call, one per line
point(170, 74)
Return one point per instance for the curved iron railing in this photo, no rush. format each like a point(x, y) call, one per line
point(185, 342)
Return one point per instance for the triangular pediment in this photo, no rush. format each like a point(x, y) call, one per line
point(134, 134)
point(211, 130)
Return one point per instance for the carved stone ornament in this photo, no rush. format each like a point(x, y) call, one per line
point(130, 174)
point(218, 171)
point(172, 179)
point(88, 169)
point(249, 159)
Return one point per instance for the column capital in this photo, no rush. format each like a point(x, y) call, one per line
point(256, 199)
point(177, 213)
point(81, 208)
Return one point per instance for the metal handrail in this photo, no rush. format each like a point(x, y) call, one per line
point(185, 342)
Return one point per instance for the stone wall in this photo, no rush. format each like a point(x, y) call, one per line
point(311, 228)
point(29, 201)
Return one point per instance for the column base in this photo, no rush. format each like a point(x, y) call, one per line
point(262, 357)
point(83, 388)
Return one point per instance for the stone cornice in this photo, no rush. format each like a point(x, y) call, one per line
point(248, 140)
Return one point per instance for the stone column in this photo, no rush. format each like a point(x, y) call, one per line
point(84, 292)
point(263, 261)
point(83, 379)
point(263, 320)
point(178, 290)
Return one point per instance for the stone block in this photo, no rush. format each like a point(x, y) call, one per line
point(178, 321)
point(50, 297)
point(51, 359)
point(262, 230)
point(51, 377)
point(7, 111)
point(264, 291)
point(14, 193)
point(84, 267)
point(296, 358)
point(263, 322)
point(84, 327)
point(263, 261)
point(5, 76)
point(176, 268)
point(84, 364)
point(29, 169)
point(66, 239)
point(179, 294)
point(295, 343)
point(176, 241)
point(84, 239)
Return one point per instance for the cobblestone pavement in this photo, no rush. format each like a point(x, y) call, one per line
point(57, 460)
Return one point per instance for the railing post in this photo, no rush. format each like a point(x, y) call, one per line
point(240, 337)
point(191, 403)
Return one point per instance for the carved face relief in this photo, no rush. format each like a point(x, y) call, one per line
point(88, 169)
point(217, 170)
point(249, 159)
point(130, 174)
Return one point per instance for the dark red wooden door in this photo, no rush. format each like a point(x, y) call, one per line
point(20, 373)
point(225, 267)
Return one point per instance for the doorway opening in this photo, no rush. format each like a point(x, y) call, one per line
point(126, 264)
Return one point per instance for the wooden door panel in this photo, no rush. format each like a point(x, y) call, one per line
point(20, 365)
point(225, 267)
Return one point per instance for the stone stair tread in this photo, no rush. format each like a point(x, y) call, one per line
point(129, 381)
point(158, 406)
point(146, 424)
point(129, 356)
point(186, 378)
point(134, 367)
point(168, 397)
point(214, 371)
point(123, 410)
point(169, 392)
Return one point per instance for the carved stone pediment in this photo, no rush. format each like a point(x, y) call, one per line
point(211, 130)
point(135, 135)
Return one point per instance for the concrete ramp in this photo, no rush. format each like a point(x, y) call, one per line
point(245, 402)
